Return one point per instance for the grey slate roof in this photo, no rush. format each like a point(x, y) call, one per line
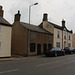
point(56, 26)
point(4, 22)
point(60, 27)
point(34, 28)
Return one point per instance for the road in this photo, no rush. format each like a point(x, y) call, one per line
point(61, 65)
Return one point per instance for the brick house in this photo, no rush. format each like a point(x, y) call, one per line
point(29, 39)
point(62, 37)
point(5, 36)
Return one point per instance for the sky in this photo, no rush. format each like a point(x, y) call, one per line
point(56, 10)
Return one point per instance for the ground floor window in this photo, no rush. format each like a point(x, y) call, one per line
point(58, 44)
point(69, 44)
point(32, 47)
point(49, 46)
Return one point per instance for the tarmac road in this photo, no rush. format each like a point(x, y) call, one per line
point(39, 65)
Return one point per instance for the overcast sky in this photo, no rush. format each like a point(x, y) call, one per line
point(56, 10)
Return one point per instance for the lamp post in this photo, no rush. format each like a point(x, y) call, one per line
point(29, 28)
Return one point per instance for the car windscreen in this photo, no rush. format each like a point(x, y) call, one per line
point(54, 49)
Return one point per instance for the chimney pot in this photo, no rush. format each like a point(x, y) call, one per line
point(63, 23)
point(1, 11)
point(17, 16)
point(45, 17)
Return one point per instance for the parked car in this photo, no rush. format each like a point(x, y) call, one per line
point(69, 50)
point(55, 52)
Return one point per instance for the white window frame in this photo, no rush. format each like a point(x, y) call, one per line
point(69, 44)
point(58, 44)
point(65, 35)
point(58, 34)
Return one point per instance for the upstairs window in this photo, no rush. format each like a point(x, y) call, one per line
point(65, 35)
point(49, 37)
point(58, 34)
point(33, 35)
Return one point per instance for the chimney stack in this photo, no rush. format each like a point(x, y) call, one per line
point(17, 16)
point(63, 23)
point(1, 11)
point(45, 17)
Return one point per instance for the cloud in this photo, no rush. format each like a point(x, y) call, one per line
point(56, 9)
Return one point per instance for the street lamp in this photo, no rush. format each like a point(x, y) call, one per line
point(29, 28)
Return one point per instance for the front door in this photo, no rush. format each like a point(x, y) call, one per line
point(45, 48)
point(38, 49)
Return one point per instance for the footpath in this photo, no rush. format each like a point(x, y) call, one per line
point(20, 58)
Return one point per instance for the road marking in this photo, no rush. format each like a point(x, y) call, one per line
point(46, 63)
point(9, 71)
point(39, 65)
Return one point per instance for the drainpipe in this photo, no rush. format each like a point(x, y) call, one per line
point(62, 38)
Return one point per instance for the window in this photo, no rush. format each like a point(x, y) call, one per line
point(33, 35)
point(69, 44)
point(58, 34)
point(49, 46)
point(49, 38)
point(69, 37)
point(65, 35)
point(32, 47)
point(58, 44)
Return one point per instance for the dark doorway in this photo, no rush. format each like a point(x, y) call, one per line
point(45, 48)
point(49, 46)
point(38, 49)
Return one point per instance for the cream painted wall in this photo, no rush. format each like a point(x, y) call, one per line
point(57, 39)
point(60, 39)
point(53, 30)
point(5, 39)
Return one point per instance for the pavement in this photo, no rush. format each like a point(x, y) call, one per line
point(16, 57)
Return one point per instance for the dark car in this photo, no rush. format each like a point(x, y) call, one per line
point(69, 50)
point(55, 52)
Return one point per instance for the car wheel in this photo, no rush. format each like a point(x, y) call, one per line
point(71, 52)
point(56, 55)
point(64, 54)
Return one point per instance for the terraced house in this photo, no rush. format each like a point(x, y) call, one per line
point(5, 36)
point(28, 39)
point(62, 37)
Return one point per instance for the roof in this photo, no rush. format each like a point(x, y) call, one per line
point(34, 28)
point(60, 27)
point(57, 26)
point(4, 22)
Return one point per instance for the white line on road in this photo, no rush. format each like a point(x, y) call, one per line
point(39, 65)
point(9, 71)
point(46, 63)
